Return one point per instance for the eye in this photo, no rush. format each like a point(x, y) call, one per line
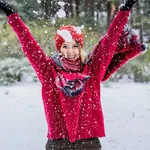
point(75, 46)
point(64, 46)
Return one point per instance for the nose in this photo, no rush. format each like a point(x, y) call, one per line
point(70, 50)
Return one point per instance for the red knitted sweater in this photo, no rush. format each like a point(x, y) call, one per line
point(80, 116)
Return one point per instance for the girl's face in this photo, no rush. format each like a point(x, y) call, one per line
point(70, 50)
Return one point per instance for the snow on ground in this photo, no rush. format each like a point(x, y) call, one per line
point(126, 108)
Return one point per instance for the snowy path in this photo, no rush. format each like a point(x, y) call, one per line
point(126, 109)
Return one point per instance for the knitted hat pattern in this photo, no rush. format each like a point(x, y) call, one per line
point(67, 34)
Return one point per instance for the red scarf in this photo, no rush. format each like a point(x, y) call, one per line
point(71, 65)
point(71, 85)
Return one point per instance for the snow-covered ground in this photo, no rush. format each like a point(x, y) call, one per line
point(126, 108)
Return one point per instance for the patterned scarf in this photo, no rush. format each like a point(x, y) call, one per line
point(71, 65)
point(71, 84)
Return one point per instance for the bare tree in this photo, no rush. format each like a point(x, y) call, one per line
point(77, 3)
point(50, 8)
point(138, 10)
point(112, 9)
point(108, 13)
point(72, 7)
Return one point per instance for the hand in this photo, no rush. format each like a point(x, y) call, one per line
point(128, 5)
point(6, 8)
point(135, 42)
point(143, 48)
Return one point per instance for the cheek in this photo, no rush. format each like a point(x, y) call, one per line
point(63, 51)
point(77, 52)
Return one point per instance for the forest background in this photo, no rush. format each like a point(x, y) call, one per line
point(44, 17)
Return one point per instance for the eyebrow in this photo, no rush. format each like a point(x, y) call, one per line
point(67, 44)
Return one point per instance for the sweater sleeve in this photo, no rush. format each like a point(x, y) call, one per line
point(29, 45)
point(105, 49)
point(119, 60)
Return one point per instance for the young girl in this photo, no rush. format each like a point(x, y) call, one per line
point(71, 79)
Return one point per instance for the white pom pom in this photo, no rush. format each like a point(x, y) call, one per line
point(78, 30)
point(65, 34)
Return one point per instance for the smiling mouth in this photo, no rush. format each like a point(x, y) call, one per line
point(71, 57)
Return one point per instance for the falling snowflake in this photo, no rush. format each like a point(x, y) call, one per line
point(61, 13)
point(82, 27)
point(39, 1)
point(61, 3)
point(4, 43)
point(35, 12)
point(46, 31)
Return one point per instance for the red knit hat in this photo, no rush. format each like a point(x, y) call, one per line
point(67, 34)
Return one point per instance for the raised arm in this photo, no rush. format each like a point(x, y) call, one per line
point(30, 47)
point(128, 47)
point(105, 49)
point(122, 58)
point(117, 26)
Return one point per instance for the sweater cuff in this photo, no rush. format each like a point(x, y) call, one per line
point(12, 18)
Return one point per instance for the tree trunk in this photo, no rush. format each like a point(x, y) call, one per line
point(89, 11)
point(77, 2)
point(69, 8)
point(108, 13)
point(46, 5)
point(139, 20)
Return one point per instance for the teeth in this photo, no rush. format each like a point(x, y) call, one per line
point(71, 57)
